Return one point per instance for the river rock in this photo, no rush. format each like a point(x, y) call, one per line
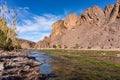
point(1, 66)
point(17, 65)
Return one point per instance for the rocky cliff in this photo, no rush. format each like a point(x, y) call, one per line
point(94, 28)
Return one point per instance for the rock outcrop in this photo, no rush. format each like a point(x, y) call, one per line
point(58, 29)
point(1, 66)
point(115, 11)
point(18, 66)
point(108, 9)
point(71, 21)
point(93, 29)
point(93, 16)
point(45, 43)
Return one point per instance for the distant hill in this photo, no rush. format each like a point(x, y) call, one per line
point(26, 44)
point(93, 29)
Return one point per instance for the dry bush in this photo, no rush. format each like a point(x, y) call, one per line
point(8, 29)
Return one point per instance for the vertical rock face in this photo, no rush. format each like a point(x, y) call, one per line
point(45, 43)
point(115, 11)
point(108, 9)
point(119, 9)
point(83, 31)
point(58, 29)
point(71, 21)
point(93, 15)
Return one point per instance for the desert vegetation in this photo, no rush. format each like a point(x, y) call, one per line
point(8, 40)
point(54, 46)
point(85, 64)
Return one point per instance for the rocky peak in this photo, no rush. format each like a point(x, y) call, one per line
point(58, 28)
point(118, 1)
point(71, 21)
point(115, 12)
point(93, 15)
point(74, 30)
point(45, 43)
point(119, 9)
point(108, 9)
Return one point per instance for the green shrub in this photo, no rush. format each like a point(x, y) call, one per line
point(8, 40)
point(65, 46)
point(89, 47)
point(4, 43)
point(59, 46)
point(54, 46)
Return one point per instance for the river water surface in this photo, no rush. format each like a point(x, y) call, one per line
point(45, 59)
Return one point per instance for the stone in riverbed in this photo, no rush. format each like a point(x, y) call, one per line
point(36, 63)
point(17, 65)
point(1, 66)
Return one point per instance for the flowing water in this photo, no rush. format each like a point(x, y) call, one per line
point(45, 59)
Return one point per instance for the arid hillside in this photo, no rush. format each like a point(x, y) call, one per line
point(93, 29)
point(25, 44)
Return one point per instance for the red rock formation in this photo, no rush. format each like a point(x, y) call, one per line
point(108, 9)
point(93, 16)
point(45, 43)
point(71, 21)
point(115, 11)
point(94, 28)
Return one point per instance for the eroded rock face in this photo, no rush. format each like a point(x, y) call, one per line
point(58, 29)
point(71, 21)
point(93, 15)
point(115, 11)
point(83, 31)
point(108, 9)
point(45, 43)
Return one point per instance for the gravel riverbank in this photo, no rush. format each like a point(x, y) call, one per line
point(18, 66)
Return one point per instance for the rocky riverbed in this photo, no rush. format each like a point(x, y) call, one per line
point(18, 66)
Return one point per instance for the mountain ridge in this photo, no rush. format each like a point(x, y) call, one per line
point(26, 44)
point(93, 29)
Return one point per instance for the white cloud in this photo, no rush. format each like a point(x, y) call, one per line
point(36, 26)
point(26, 8)
point(33, 36)
point(30, 26)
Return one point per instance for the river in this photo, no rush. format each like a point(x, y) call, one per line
point(45, 68)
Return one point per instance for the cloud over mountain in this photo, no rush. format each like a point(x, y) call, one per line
point(35, 24)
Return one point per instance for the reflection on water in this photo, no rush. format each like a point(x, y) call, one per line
point(45, 59)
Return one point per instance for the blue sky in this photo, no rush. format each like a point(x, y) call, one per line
point(35, 17)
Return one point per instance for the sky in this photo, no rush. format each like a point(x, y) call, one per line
point(35, 17)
